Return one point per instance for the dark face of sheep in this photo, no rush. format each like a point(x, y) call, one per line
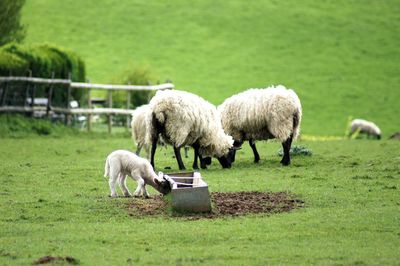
point(225, 161)
point(163, 186)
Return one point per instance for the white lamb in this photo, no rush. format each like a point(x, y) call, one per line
point(183, 118)
point(262, 114)
point(121, 163)
point(365, 127)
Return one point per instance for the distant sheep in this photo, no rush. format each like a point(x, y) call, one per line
point(121, 163)
point(365, 127)
point(183, 118)
point(262, 114)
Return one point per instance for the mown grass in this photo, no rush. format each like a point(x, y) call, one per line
point(54, 202)
point(341, 57)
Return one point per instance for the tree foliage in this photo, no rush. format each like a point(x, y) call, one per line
point(11, 28)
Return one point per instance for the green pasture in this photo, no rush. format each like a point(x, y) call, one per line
point(342, 57)
point(54, 202)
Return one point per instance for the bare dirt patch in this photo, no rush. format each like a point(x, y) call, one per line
point(58, 259)
point(225, 204)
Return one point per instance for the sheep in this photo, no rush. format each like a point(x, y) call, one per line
point(121, 163)
point(365, 127)
point(138, 128)
point(183, 118)
point(262, 114)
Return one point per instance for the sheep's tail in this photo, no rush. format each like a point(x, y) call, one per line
point(107, 169)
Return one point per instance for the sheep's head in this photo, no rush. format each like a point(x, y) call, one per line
point(163, 184)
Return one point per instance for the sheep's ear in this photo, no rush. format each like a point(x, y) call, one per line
point(157, 181)
point(236, 148)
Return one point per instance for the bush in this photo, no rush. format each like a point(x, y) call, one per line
point(297, 150)
point(134, 75)
point(43, 61)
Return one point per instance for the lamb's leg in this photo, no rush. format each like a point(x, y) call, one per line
point(122, 185)
point(112, 181)
point(145, 193)
point(178, 157)
point(139, 188)
point(286, 149)
point(253, 147)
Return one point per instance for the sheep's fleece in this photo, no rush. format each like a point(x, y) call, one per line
point(365, 126)
point(258, 113)
point(188, 118)
point(138, 126)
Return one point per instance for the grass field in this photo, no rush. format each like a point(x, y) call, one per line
point(341, 57)
point(54, 202)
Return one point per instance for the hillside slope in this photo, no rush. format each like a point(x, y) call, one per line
point(341, 57)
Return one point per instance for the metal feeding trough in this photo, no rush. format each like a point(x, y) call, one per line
point(189, 192)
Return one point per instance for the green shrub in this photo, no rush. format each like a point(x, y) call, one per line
point(135, 74)
point(43, 61)
point(11, 63)
point(297, 150)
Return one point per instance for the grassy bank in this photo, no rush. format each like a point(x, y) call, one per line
point(341, 57)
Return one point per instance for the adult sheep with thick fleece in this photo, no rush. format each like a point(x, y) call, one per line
point(365, 127)
point(262, 114)
point(183, 118)
point(122, 163)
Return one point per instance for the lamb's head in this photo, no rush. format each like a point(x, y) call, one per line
point(164, 186)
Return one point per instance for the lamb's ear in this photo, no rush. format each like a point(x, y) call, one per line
point(157, 181)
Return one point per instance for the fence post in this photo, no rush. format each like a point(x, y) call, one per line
point(68, 115)
point(89, 116)
point(28, 86)
point(4, 94)
point(49, 96)
point(110, 115)
point(128, 106)
point(33, 99)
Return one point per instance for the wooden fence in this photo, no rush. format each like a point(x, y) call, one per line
point(29, 106)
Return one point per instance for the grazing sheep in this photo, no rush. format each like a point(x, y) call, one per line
point(121, 163)
point(365, 127)
point(183, 118)
point(138, 127)
point(262, 114)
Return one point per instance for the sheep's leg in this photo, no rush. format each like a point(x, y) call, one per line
point(139, 188)
point(139, 148)
point(286, 149)
point(153, 151)
point(122, 185)
point(112, 181)
point(178, 157)
point(253, 147)
point(236, 144)
point(196, 157)
point(186, 151)
point(145, 193)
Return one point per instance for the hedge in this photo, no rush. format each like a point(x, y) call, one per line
point(42, 61)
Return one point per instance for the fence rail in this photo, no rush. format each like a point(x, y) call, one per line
point(29, 106)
